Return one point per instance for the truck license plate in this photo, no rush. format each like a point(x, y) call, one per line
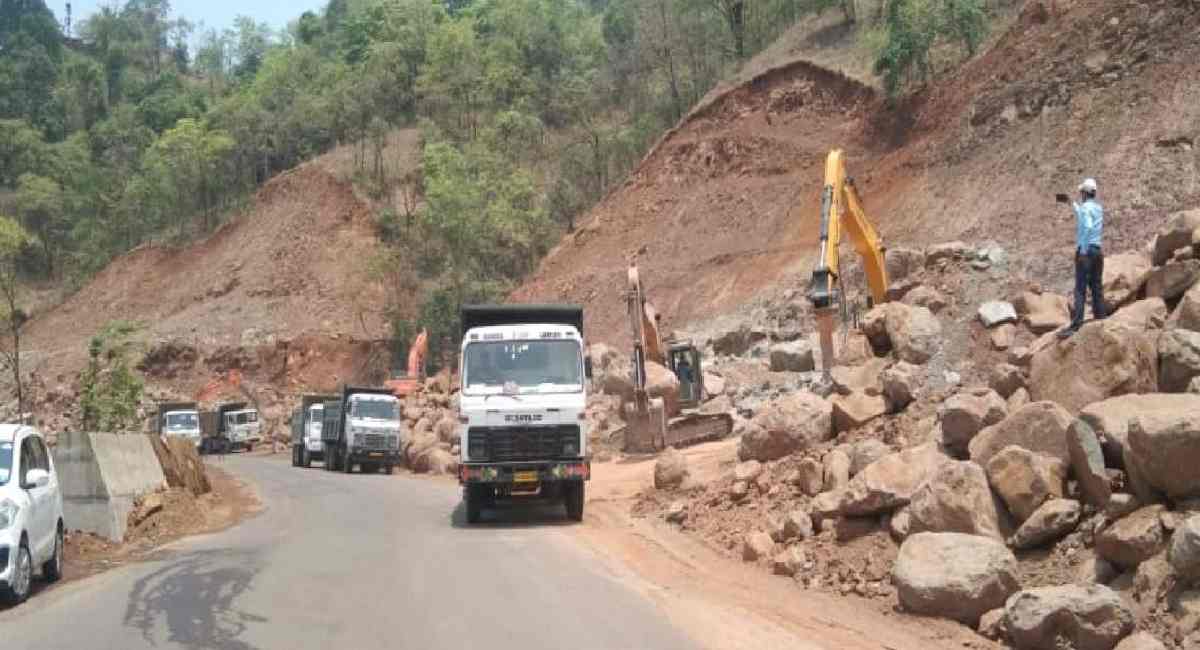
point(376, 454)
point(525, 477)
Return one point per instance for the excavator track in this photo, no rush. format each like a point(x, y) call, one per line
point(695, 428)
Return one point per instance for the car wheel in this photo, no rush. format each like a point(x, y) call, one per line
point(52, 570)
point(573, 496)
point(22, 577)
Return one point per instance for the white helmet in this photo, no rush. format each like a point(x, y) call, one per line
point(1088, 185)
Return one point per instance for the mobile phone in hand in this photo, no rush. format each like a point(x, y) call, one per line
point(1062, 198)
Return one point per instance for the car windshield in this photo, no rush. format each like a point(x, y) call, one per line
point(182, 421)
point(6, 457)
point(551, 365)
point(374, 409)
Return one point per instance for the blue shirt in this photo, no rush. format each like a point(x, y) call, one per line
point(1089, 224)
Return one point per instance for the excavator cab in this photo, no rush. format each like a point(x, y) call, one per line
point(684, 360)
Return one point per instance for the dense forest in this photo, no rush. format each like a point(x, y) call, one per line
point(139, 127)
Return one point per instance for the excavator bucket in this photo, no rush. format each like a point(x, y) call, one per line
point(645, 425)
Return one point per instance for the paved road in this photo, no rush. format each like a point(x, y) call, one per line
point(352, 562)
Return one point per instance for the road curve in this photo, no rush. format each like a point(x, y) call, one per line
point(357, 562)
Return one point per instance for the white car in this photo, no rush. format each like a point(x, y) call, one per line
point(31, 512)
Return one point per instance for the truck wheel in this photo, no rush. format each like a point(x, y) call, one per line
point(295, 456)
point(305, 458)
point(473, 499)
point(347, 464)
point(573, 496)
point(387, 469)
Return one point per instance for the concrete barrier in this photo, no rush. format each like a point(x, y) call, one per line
point(100, 475)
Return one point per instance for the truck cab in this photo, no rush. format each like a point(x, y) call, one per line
point(523, 430)
point(179, 419)
point(366, 430)
point(239, 426)
point(307, 423)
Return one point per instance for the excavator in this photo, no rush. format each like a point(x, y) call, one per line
point(841, 209)
point(410, 382)
point(650, 427)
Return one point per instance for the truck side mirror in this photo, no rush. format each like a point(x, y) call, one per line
point(587, 366)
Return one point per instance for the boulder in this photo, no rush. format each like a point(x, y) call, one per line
point(1005, 379)
point(899, 524)
point(915, 333)
point(1172, 280)
point(446, 429)
point(1018, 400)
point(903, 262)
point(747, 471)
point(1124, 275)
point(1165, 448)
point(790, 424)
point(865, 378)
point(1050, 522)
point(991, 624)
point(1184, 553)
point(794, 356)
point(1087, 463)
point(738, 491)
point(1110, 418)
point(926, 297)
point(1040, 427)
point(1043, 312)
point(1003, 336)
point(996, 312)
point(836, 470)
point(757, 545)
point(1025, 480)
point(953, 575)
point(797, 525)
point(866, 452)
point(1175, 234)
point(854, 410)
point(738, 342)
point(874, 326)
point(1020, 356)
point(810, 476)
point(662, 383)
point(1086, 617)
point(825, 506)
point(889, 482)
point(948, 251)
point(1140, 641)
point(435, 460)
point(900, 384)
point(670, 470)
point(1178, 360)
point(1152, 580)
point(967, 412)
point(1120, 505)
point(1095, 570)
point(714, 385)
point(955, 499)
point(789, 561)
point(1130, 541)
point(850, 528)
point(1103, 359)
point(1150, 313)
point(1187, 314)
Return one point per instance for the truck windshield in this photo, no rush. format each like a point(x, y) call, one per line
point(182, 421)
point(552, 366)
point(374, 409)
point(6, 456)
point(245, 417)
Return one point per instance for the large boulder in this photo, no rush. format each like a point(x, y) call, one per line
point(863, 378)
point(1086, 617)
point(1178, 360)
point(810, 477)
point(1043, 312)
point(915, 333)
point(1133, 539)
point(955, 499)
point(757, 546)
point(866, 452)
point(1103, 359)
point(966, 413)
point(1124, 275)
point(946, 252)
point(1087, 463)
point(1140, 641)
point(1050, 522)
point(889, 482)
point(1110, 418)
point(1187, 314)
point(1184, 554)
point(996, 312)
point(446, 429)
point(670, 470)
point(903, 262)
point(953, 575)
point(1175, 234)
point(790, 424)
point(1040, 427)
point(1150, 313)
point(836, 470)
point(927, 297)
point(901, 382)
point(737, 342)
point(793, 356)
point(1002, 337)
point(854, 410)
point(1005, 379)
point(1164, 447)
point(1173, 279)
point(1025, 480)
point(662, 383)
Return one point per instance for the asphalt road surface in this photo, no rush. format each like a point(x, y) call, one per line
point(355, 562)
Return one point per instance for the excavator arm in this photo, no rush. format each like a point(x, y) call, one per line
point(841, 210)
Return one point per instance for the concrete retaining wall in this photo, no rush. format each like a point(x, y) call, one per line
point(101, 474)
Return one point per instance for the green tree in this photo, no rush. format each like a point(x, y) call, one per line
point(110, 390)
point(911, 29)
point(40, 202)
point(12, 240)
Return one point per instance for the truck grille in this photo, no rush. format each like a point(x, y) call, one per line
point(378, 441)
point(519, 443)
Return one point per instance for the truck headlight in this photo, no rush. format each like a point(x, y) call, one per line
point(8, 513)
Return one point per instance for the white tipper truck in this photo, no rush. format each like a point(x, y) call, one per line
point(523, 431)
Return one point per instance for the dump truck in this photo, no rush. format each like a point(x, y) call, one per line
point(233, 426)
point(522, 406)
point(362, 428)
point(307, 421)
point(180, 419)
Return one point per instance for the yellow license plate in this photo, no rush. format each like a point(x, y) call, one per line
point(525, 477)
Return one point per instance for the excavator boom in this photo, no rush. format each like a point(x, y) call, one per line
point(411, 382)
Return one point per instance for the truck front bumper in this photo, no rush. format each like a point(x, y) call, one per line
point(386, 456)
point(548, 471)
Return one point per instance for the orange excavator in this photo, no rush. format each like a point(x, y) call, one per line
point(841, 209)
point(650, 424)
point(411, 381)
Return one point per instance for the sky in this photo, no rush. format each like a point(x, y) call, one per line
point(217, 14)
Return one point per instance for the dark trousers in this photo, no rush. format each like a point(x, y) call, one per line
point(1089, 274)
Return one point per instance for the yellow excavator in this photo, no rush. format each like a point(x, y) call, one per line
point(841, 209)
point(652, 423)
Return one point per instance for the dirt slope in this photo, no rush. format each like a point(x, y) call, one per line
point(726, 205)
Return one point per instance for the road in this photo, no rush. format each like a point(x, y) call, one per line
point(360, 561)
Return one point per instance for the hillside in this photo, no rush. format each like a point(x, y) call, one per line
point(726, 204)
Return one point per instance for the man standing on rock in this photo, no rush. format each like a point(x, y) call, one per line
point(1089, 256)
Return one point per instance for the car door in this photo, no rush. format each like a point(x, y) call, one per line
point(50, 503)
point(32, 458)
